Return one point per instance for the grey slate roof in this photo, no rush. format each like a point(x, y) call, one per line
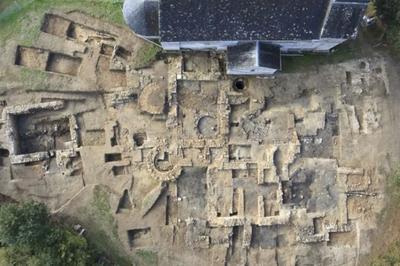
point(231, 20)
point(244, 20)
point(344, 20)
point(353, 1)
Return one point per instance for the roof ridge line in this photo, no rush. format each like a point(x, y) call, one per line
point(257, 53)
point(328, 12)
point(352, 3)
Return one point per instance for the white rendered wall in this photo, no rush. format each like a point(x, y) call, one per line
point(251, 71)
point(318, 46)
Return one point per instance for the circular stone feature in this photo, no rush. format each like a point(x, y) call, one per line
point(239, 84)
point(163, 162)
point(208, 126)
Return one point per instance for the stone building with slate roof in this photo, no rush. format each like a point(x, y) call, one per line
point(249, 30)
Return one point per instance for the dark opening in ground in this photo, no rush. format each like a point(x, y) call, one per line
point(139, 139)
point(112, 157)
point(239, 84)
point(4, 152)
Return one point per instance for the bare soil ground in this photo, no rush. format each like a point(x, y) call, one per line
point(174, 163)
point(385, 237)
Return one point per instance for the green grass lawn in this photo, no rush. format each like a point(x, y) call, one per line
point(344, 52)
point(388, 245)
point(4, 4)
point(145, 258)
point(102, 232)
point(146, 55)
point(20, 20)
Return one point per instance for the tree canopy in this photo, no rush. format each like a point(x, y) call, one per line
point(389, 12)
point(29, 237)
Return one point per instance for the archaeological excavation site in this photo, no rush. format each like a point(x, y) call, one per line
point(191, 165)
